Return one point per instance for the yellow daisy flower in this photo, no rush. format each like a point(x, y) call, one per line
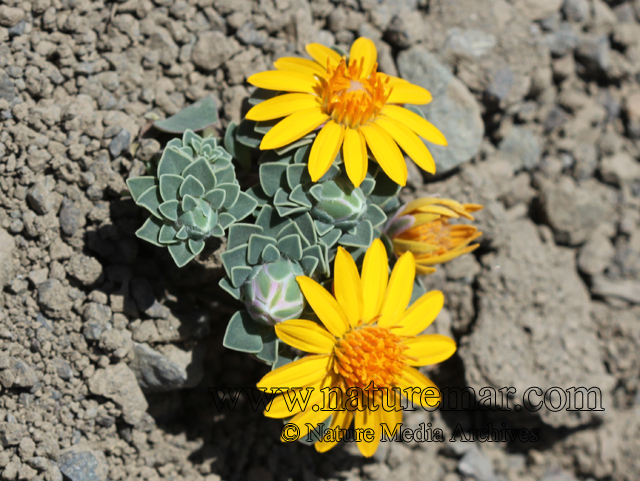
point(422, 227)
point(354, 103)
point(369, 340)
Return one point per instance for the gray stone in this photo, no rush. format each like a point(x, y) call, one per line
point(212, 49)
point(171, 369)
point(116, 343)
point(142, 293)
point(542, 315)
point(71, 218)
point(594, 53)
point(625, 289)
point(96, 320)
point(7, 90)
point(63, 368)
point(148, 148)
point(576, 10)
point(476, 464)
point(118, 383)
point(80, 463)
point(522, 148)
point(40, 198)
point(85, 269)
point(119, 143)
point(18, 374)
point(18, 29)
point(472, 42)
point(53, 298)
point(248, 35)
point(12, 433)
point(502, 79)
point(453, 110)
point(10, 16)
point(7, 248)
point(563, 40)
point(538, 9)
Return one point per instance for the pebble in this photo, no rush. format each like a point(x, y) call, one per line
point(71, 218)
point(83, 464)
point(85, 269)
point(119, 143)
point(7, 249)
point(475, 463)
point(40, 198)
point(208, 58)
point(522, 148)
point(10, 16)
point(53, 298)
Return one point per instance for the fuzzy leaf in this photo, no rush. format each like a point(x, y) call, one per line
point(197, 116)
point(272, 177)
point(265, 126)
point(367, 185)
point(226, 285)
point(307, 139)
point(375, 215)
point(192, 186)
point(269, 352)
point(246, 134)
point(309, 265)
point(201, 170)
point(270, 253)
point(167, 234)
point(189, 203)
point(151, 200)
point(191, 139)
point(231, 194)
point(270, 221)
point(225, 220)
point(215, 198)
point(282, 199)
point(139, 185)
point(244, 206)
point(181, 254)
point(169, 186)
point(297, 174)
point(150, 231)
point(239, 234)
point(243, 334)
point(292, 229)
point(169, 209)
point(302, 154)
point(321, 227)
point(331, 238)
point(196, 246)
point(260, 95)
point(234, 257)
point(305, 223)
point(183, 233)
point(257, 243)
point(240, 152)
point(217, 231)
point(173, 161)
point(363, 236)
point(239, 275)
point(299, 197)
point(291, 247)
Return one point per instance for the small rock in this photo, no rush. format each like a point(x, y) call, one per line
point(10, 16)
point(142, 293)
point(576, 10)
point(115, 342)
point(119, 143)
point(632, 109)
point(472, 42)
point(63, 368)
point(620, 169)
point(501, 82)
point(118, 383)
point(539, 9)
point(522, 148)
point(71, 218)
point(40, 198)
point(625, 289)
point(454, 111)
point(80, 463)
point(85, 269)
point(212, 49)
point(563, 40)
point(7, 90)
point(7, 248)
point(38, 276)
point(12, 433)
point(18, 29)
point(23, 375)
point(475, 463)
point(96, 320)
point(148, 148)
point(594, 53)
point(53, 298)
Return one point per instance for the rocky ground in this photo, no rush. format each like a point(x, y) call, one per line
point(107, 350)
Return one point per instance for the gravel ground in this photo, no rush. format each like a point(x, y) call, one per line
point(107, 349)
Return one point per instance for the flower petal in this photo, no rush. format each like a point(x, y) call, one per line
point(363, 50)
point(411, 379)
point(324, 305)
point(325, 149)
point(302, 65)
point(306, 336)
point(420, 126)
point(282, 105)
point(292, 128)
point(416, 247)
point(354, 154)
point(287, 81)
point(386, 152)
point(375, 273)
point(298, 373)
point(420, 315)
point(348, 288)
point(408, 93)
point(307, 417)
point(429, 349)
point(368, 419)
point(399, 291)
point(410, 142)
point(341, 420)
point(323, 55)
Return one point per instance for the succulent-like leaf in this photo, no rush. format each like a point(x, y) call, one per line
point(150, 231)
point(139, 185)
point(173, 161)
point(243, 334)
point(151, 200)
point(197, 116)
point(180, 253)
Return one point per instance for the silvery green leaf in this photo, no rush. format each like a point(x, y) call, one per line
point(169, 186)
point(362, 237)
point(307, 139)
point(270, 253)
point(239, 234)
point(217, 231)
point(331, 237)
point(151, 200)
point(173, 161)
point(201, 170)
point(234, 257)
point(305, 223)
point(272, 177)
point(244, 206)
point(191, 186)
point(226, 285)
point(299, 197)
point(239, 274)
point(375, 215)
point(265, 126)
point(196, 246)
point(231, 194)
point(246, 135)
point(269, 352)
point(257, 243)
point(243, 334)
point(183, 233)
point(309, 265)
point(139, 185)
point(225, 220)
point(321, 227)
point(169, 209)
point(168, 234)
point(215, 198)
point(197, 116)
point(150, 231)
point(302, 154)
point(291, 247)
point(297, 174)
point(180, 253)
point(189, 203)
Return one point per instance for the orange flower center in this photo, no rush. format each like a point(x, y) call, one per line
point(436, 233)
point(369, 354)
point(351, 100)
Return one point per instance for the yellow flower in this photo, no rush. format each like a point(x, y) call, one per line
point(422, 227)
point(369, 340)
point(355, 103)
